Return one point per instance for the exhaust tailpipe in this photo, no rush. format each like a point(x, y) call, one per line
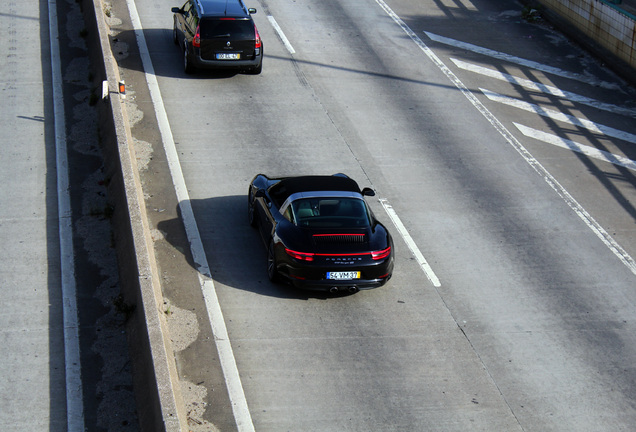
point(333, 290)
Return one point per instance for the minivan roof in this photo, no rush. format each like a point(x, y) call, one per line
point(223, 8)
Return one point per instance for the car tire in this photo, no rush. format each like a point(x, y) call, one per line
point(175, 34)
point(188, 67)
point(272, 273)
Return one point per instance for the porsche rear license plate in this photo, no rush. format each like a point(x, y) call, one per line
point(343, 275)
point(229, 56)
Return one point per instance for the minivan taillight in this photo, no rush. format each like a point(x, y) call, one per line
point(196, 42)
point(258, 43)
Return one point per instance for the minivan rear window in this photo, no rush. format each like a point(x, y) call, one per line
point(237, 29)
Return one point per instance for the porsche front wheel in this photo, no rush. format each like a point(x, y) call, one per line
point(272, 273)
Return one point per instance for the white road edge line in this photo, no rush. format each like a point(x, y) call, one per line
point(240, 408)
point(597, 229)
point(281, 35)
point(559, 116)
point(72, 363)
point(577, 147)
point(430, 274)
point(547, 89)
point(520, 61)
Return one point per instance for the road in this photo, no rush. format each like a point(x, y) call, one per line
point(65, 363)
point(31, 327)
point(505, 169)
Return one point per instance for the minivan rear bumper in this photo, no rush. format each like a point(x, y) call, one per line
point(226, 64)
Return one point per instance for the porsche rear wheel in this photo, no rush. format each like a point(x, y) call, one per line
point(272, 273)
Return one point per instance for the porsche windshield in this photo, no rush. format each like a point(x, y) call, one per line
point(338, 212)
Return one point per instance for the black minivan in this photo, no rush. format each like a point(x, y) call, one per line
point(218, 34)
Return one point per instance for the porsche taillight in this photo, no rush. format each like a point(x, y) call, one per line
point(196, 42)
point(381, 254)
point(302, 256)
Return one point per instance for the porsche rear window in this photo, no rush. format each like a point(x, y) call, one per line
point(237, 29)
point(330, 213)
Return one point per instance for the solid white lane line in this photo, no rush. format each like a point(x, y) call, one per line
point(430, 274)
point(596, 228)
point(573, 145)
point(559, 116)
point(543, 88)
point(72, 363)
point(236, 393)
point(520, 61)
point(281, 35)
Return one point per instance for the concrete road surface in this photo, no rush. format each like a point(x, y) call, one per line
point(503, 158)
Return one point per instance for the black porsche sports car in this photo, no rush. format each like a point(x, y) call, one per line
point(319, 232)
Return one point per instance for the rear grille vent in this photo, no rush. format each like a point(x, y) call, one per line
point(321, 239)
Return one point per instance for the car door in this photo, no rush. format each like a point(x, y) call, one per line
point(267, 212)
point(180, 21)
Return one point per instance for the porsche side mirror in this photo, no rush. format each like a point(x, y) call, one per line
point(176, 10)
point(251, 10)
point(368, 192)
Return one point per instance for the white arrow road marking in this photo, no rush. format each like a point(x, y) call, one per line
point(543, 88)
point(573, 145)
point(559, 116)
point(522, 62)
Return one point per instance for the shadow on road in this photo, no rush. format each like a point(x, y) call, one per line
point(235, 254)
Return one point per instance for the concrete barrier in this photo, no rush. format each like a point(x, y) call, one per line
point(160, 405)
point(605, 28)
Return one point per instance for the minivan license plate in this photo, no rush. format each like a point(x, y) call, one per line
point(232, 56)
point(343, 275)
